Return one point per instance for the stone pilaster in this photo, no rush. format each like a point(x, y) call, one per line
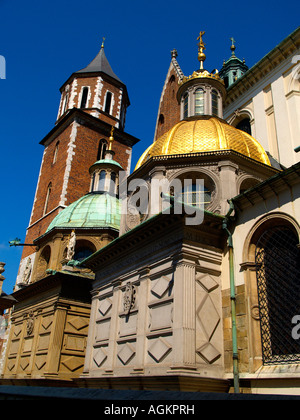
point(184, 326)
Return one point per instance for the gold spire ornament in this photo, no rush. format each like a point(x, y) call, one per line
point(201, 73)
point(201, 47)
point(103, 39)
point(233, 41)
point(111, 139)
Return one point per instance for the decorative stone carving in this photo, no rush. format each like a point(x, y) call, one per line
point(159, 349)
point(161, 286)
point(255, 312)
point(126, 353)
point(27, 271)
point(129, 298)
point(71, 246)
point(100, 356)
point(30, 323)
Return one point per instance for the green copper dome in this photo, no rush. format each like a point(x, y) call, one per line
point(90, 211)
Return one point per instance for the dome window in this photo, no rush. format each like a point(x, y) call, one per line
point(101, 183)
point(186, 106)
point(196, 195)
point(214, 103)
point(199, 102)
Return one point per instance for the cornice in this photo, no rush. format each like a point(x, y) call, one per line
point(83, 118)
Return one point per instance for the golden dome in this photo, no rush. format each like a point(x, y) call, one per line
point(205, 134)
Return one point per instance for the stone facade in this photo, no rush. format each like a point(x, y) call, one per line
point(49, 329)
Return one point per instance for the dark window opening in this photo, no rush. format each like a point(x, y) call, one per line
point(277, 260)
point(102, 149)
point(108, 102)
point(84, 96)
point(244, 125)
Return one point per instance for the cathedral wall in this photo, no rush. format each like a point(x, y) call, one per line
point(271, 104)
point(158, 311)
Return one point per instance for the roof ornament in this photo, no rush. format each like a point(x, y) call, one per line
point(201, 47)
point(233, 41)
point(103, 39)
point(111, 138)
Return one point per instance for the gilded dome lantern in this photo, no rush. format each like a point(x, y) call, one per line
point(201, 127)
point(201, 93)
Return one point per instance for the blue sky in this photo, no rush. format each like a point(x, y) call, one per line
point(44, 42)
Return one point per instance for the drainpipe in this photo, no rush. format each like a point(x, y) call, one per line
point(233, 301)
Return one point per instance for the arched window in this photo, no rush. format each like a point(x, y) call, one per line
point(107, 102)
point(84, 97)
point(47, 198)
point(101, 183)
point(83, 250)
point(93, 182)
point(161, 119)
point(65, 105)
point(55, 152)
point(102, 149)
point(43, 263)
point(199, 102)
point(277, 258)
point(82, 253)
point(245, 125)
point(186, 106)
point(214, 103)
point(197, 195)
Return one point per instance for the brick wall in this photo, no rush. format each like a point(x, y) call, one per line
point(169, 109)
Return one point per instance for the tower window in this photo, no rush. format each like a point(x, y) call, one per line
point(107, 102)
point(102, 149)
point(55, 152)
point(65, 103)
point(47, 198)
point(186, 106)
point(214, 103)
point(101, 184)
point(199, 102)
point(84, 97)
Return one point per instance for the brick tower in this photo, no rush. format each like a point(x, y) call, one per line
point(93, 100)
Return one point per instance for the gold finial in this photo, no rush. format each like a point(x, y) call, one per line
point(201, 47)
point(111, 139)
point(232, 45)
point(103, 39)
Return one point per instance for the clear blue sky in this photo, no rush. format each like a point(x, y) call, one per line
point(44, 42)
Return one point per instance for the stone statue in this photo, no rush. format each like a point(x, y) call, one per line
point(71, 246)
point(27, 271)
